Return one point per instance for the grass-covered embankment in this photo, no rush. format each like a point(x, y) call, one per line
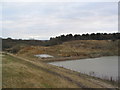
point(19, 72)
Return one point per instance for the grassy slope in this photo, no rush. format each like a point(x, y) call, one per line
point(17, 72)
point(0, 70)
point(22, 73)
point(74, 49)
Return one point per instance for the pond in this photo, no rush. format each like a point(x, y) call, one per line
point(103, 67)
point(43, 56)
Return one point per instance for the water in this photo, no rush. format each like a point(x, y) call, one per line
point(43, 55)
point(104, 67)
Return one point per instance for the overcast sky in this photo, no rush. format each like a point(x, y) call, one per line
point(50, 19)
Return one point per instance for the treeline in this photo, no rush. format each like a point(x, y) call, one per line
point(92, 36)
point(9, 42)
point(17, 43)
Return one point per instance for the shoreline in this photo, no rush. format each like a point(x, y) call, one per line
point(79, 72)
point(70, 58)
point(109, 78)
point(62, 59)
point(67, 73)
point(114, 82)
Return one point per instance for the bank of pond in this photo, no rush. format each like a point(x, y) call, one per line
point(104, 67)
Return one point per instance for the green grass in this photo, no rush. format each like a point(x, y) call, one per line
point(47, 85)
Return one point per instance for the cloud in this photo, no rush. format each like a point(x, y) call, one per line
point(59, 1)
point(43, 20)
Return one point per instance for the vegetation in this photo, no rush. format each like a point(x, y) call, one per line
point(93, 36)
point(9, 42)
point(73, 50)
point(23, 70)
point(23, 73)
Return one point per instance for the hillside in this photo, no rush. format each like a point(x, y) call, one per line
point(23, 70)
point(19, 72)
point(9, 42)
point(73, 49)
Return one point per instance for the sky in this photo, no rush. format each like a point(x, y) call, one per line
point(42, 20)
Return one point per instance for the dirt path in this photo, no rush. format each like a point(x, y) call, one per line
point(81, 85)
point(97, 82)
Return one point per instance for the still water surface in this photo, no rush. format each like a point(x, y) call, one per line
point(43, 56)
point(104, 67)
